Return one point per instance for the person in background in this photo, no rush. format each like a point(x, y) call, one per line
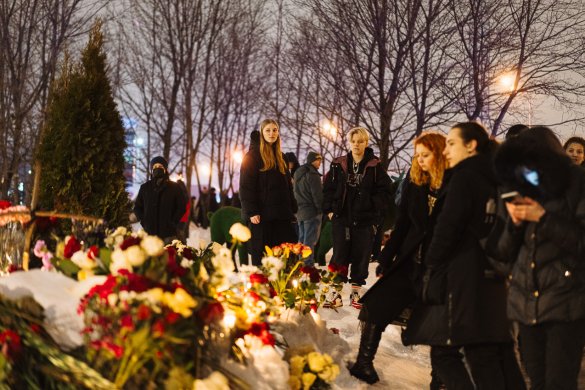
point(356, 192)
point(266, 192)
point(184, 222)
point(544, 241)
point(308, 191)
point(400, 259)
point(292, 163)
point(160, 203)
point(516, 130)
point(575, 148)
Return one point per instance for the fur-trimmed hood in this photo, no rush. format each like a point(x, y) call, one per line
point(535, 151)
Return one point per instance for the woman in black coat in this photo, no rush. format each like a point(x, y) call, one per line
point(266, 192)
point(463, 300)
point(394, 291)
point(544, 238)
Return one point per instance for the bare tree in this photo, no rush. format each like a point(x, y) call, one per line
point(33, 34)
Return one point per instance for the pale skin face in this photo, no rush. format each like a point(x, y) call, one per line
point(424, 157)
point(270, 133)
point(576, 152)
point(317, 163)
point(456, 150)
point(357, 145)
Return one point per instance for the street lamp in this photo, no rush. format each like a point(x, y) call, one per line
point(508, 81)
point(329, 130)
point(238, 156)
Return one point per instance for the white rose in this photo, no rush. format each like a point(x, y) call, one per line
point(215, 248)
point(119, 261)
point(186, 263)
point(223, 263)
point(120, 231)
point(81, 260)
point(152, 245)
point(135, 256)
point(240, 232)
point(215, 381)
point(202, 244)
point(203, 273)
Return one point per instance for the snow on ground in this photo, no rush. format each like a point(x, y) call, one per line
point(399, 367)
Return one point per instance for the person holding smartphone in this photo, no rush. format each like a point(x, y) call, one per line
point(544, 239)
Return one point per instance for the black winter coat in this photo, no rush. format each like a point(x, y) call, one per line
point(548, 274)
point(372, 197)
point(160, 208)
point(268, 194)
point(474, 309)
point(400, 259)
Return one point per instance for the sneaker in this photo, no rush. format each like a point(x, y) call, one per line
point(333, 300)
point(355, 296)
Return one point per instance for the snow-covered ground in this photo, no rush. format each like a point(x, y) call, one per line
point(399, 367)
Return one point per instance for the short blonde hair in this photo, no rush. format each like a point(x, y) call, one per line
point(362, 132)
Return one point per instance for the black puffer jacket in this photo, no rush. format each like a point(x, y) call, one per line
point(268, 194)
point(548, 274)
point(372, 196)
point(474, 309)
point(160, 208)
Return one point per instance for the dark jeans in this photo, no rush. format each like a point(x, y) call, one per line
point(270, 233)
point(552, 354)
point(494, 366)
point(447, 363)
point(309, 235)
point(352, 245)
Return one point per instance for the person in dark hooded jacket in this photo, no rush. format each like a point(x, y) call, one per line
point(160, 203)
point(544, 239)
point(308, 191)
point(463, 300)
point(356, 192)
point(266, 192)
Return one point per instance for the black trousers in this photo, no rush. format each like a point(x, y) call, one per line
point(552, 354)
point(492, 366)
point(352, 245)
point(269, 233)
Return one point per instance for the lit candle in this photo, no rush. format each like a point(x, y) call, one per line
point(229, 320)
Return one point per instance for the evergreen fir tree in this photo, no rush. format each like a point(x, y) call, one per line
point(82, 148)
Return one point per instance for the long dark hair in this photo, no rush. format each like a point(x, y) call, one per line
point(473, 131)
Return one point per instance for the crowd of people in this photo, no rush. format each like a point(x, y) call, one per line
point(485, 263)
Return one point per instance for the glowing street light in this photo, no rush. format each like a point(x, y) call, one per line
point(329, 129)
point(205, 170)
point(238, 156)
point(507, 81)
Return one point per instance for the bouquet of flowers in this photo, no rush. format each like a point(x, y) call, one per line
point(295, 284)
point(312, 370)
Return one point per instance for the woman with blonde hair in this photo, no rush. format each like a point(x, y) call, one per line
point(266, 192)
point(400, 259)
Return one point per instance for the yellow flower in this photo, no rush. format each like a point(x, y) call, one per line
point(180, 302)
point(240, 232)
point(297, 363)
point(294, 383)
point(154, 295)
point(329, 373)
point(268, 251)
point(84, 274)
point(306, 252)
point(308, 379)
point(316, 361)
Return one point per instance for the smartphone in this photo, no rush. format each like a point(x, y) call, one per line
point(510, 196)
point(531, 176)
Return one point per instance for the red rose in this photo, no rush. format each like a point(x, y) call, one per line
point(130, 241)
point(262, 331)
point(158, 329)
point(212, 312)
point(172, 265)
point(11, 340)
point(339, 269)
point(71, 246)
point(255, 297)
point(143, 313)
point(93, 252)
point(171, 318)
point(126, 322)
point(4, 204)
point(36, 328)
point(14, 268)
point(117, 350)
point(258, 278)
point(188, 254)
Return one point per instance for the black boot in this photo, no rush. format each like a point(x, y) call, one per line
point(363, 368)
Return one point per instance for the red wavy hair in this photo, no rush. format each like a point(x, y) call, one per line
point(435, 142)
